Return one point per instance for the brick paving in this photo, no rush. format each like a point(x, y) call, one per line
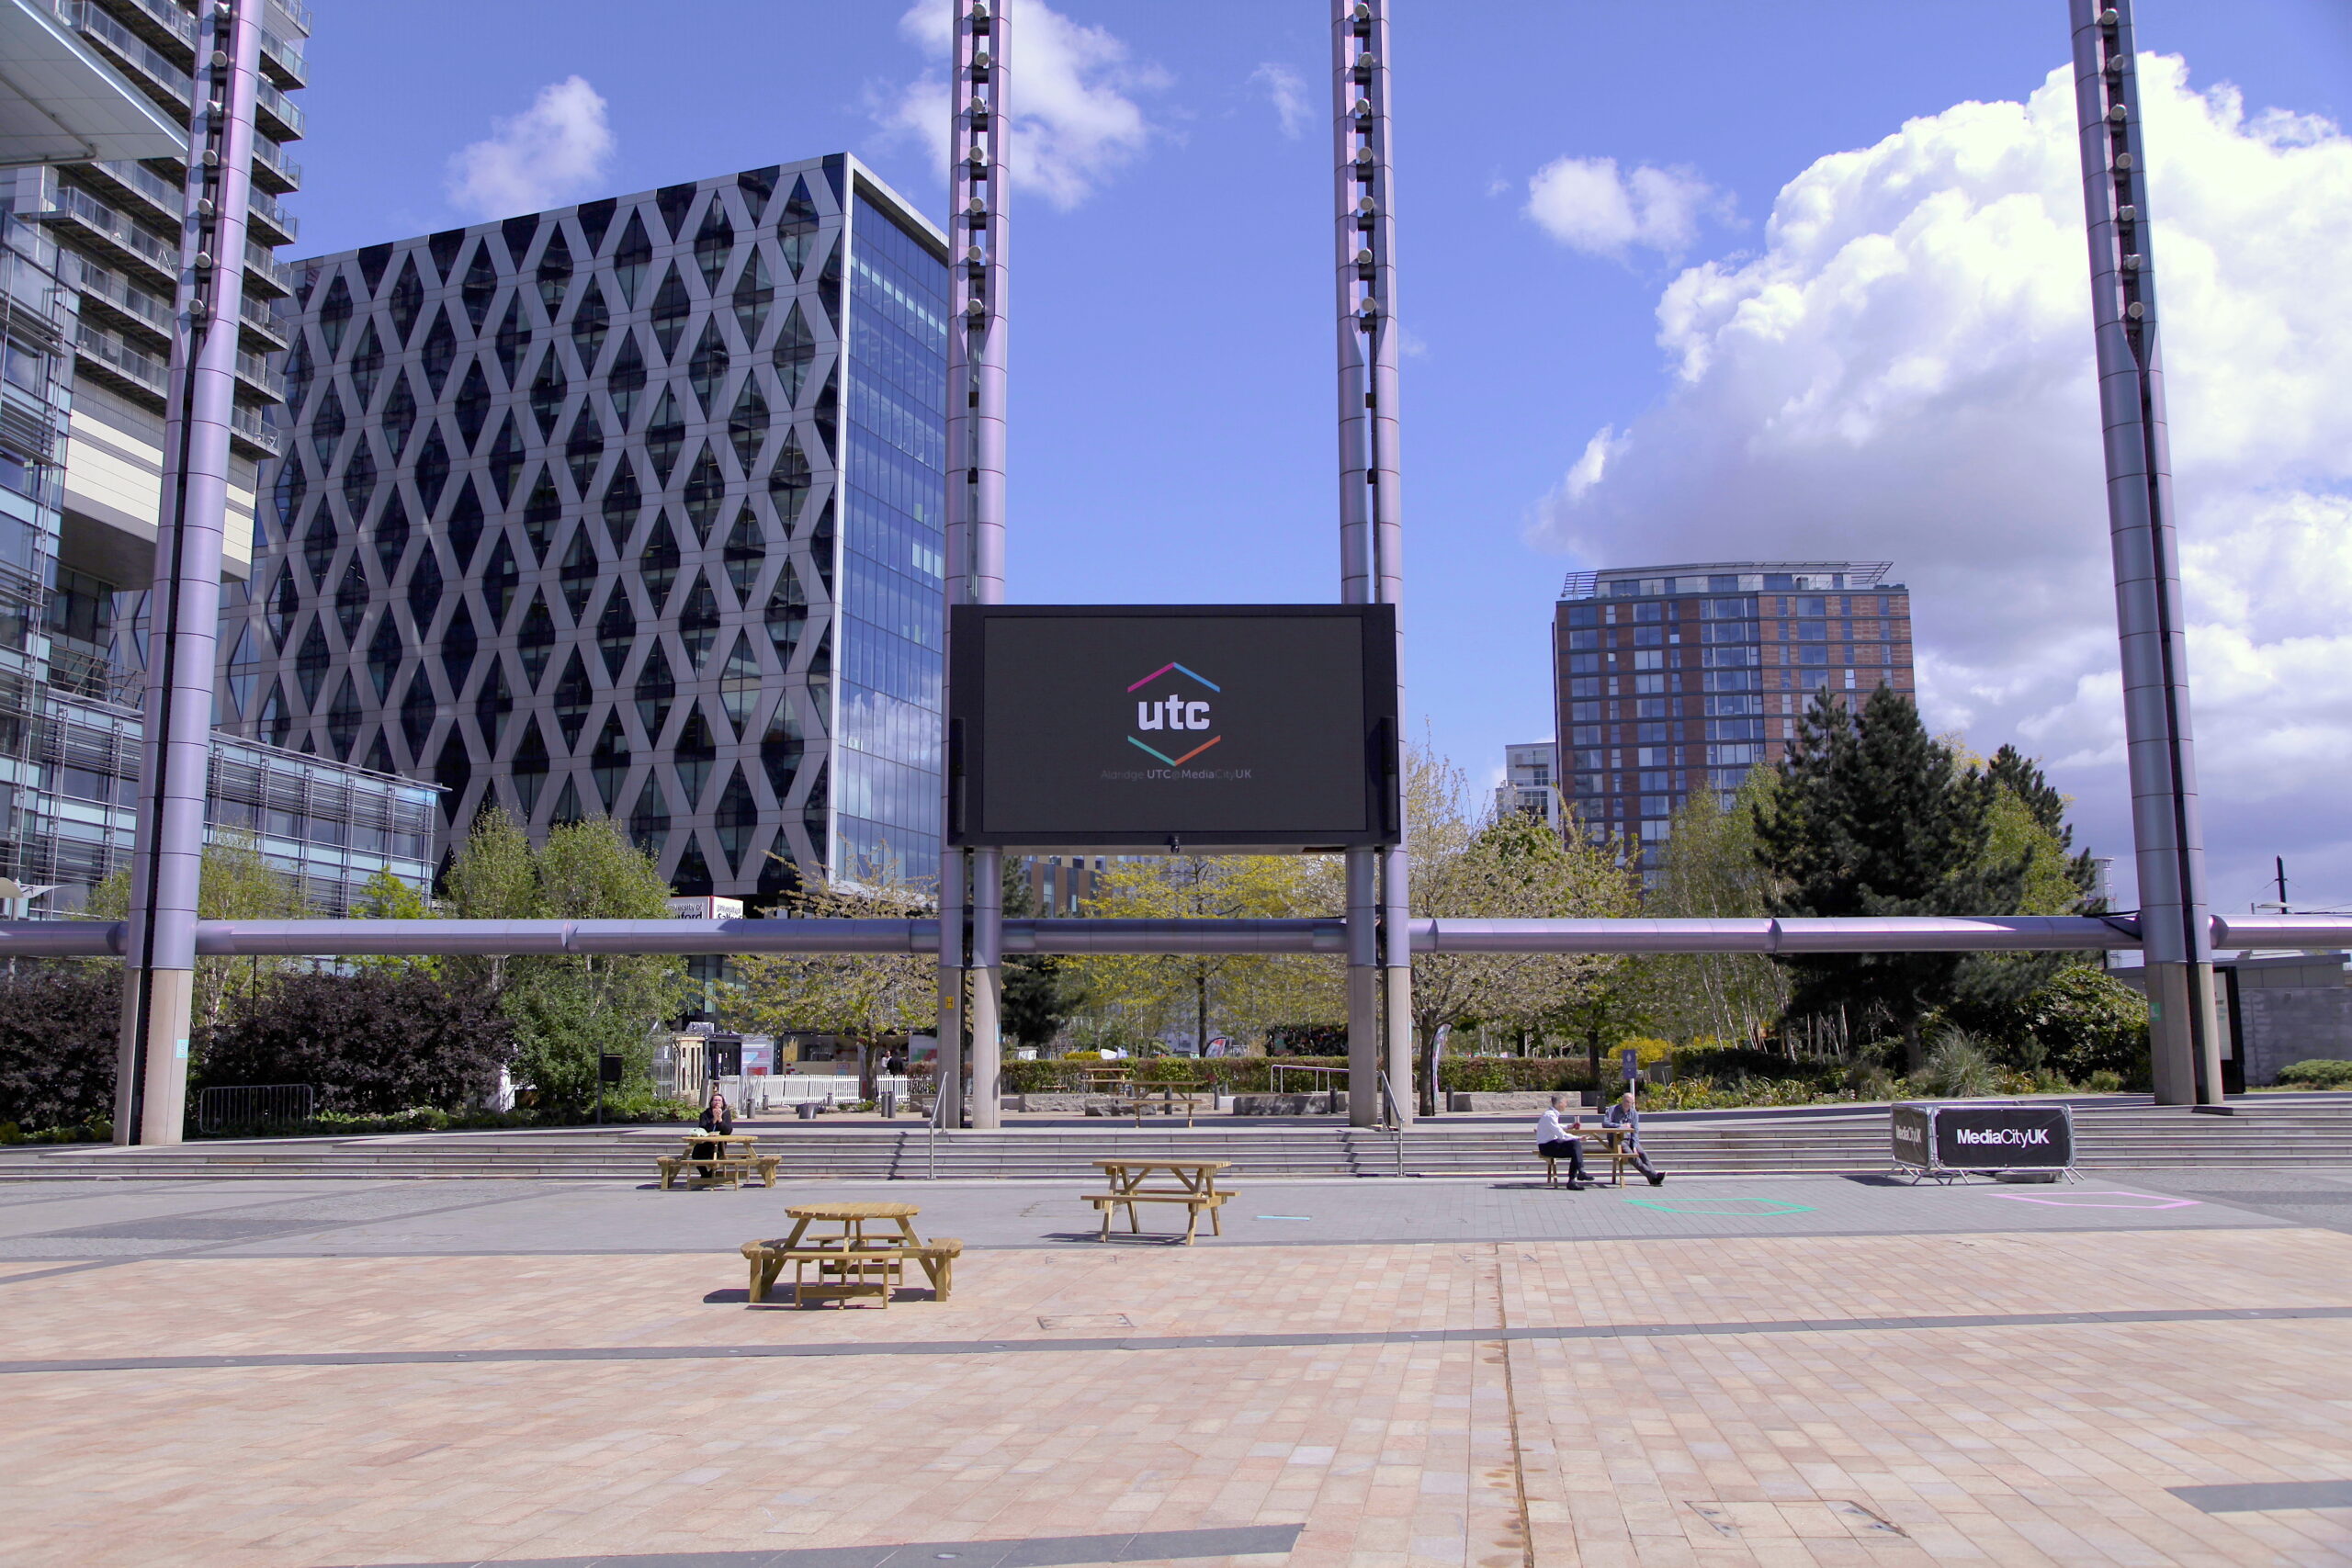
point(2016, 1445)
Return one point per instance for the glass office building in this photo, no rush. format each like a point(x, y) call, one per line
point(96, 119)
point(1671, 679)
point(629, 509)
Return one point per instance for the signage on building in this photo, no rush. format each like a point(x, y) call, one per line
point(707, 907)
point(1184, 726)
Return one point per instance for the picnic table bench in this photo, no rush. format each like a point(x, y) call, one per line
point(737, 1156)
point(1139, 1098)
point(1619, 1151)
point(1195, 1188)
point(846, 1261)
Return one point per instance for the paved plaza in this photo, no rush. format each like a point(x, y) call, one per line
point(1802, 1370)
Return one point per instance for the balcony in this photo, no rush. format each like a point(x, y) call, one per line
point(161, 23)
point(165, 82)
point(79, 217)
point(138, 188)
point(276, 115)
point(247, 425)
point(282, 58)
point(256, 372)
point(296, 13)
point(118, 296)
point(273, 169)
point(279, 226)
point(268, 270)
point(118, 361)
point(258, 318)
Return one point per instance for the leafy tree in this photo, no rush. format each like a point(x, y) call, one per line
point(387, 898)
point(566, 1011)
point(235, 882)
point(1040, 992)
point(1874, 817)
point(1500, 865)
point(1710, 870)
point(864, 998)
point(373, 1043)
point(2077, 1021)
point(1204, 994)
point(57, 1028)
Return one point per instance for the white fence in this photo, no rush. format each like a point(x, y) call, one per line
point(792, 1088)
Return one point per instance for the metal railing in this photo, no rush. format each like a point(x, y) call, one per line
point(257, 313)
point(286, 55)
point(265, 206)
point(246, 423)
point(252, 1107)
point(169, 19)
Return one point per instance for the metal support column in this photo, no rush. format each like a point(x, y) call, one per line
point(151, 1084)
point(975, 368)
point(1380, 974)
point(2166, 829)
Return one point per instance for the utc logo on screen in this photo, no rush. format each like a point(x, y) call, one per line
point(1177, 709)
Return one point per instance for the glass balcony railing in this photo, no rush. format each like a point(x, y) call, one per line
point(163, 199)
point(169, 19)
point(128, 50)
point(248, 424)
point(265, 208)
point(141, 369)
point(257, 372)
point(276, 106)
point(283, 58)
point(263, 265)
point(269, 155)
point(122, 294)
point(87, 214)
point(257, 314)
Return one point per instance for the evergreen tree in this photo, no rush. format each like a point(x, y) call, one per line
point(1874, 817)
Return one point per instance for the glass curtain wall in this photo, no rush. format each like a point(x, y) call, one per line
point(886, 779)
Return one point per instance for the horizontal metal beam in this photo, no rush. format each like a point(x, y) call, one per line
point(1943, 933)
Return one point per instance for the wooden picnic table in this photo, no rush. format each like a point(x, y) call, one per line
point(845, 1259)
point(1195, 1187)
point(736, 1156)
point(1140, 1095)
point(1620, 1156)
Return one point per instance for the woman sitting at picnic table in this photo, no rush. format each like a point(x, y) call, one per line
point(716, 1117)
point(1624, 1114)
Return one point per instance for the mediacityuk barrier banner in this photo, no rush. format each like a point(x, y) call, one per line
point(1984, 1138)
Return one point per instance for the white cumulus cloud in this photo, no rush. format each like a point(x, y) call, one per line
point(556, 149)
point(1286, 90)
point(1076, 121)
point(1904, 373)
point(1588, 204)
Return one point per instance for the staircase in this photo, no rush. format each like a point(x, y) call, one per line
point(2270, 1132)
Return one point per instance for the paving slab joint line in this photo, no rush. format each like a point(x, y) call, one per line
point(1041, 1551)
point(1173, 1342)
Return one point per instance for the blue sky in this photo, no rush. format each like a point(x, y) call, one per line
point(1172, 436)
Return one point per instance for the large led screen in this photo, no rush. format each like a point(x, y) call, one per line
point(1195, 727)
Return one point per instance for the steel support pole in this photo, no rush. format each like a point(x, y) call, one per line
point(2166, 829)
point(1380, 974)
point(978, 144)
point(184, 611)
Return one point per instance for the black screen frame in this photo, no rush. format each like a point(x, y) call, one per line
point(968, 762)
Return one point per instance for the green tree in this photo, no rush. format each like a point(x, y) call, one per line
point(1040, 992)
point(1874, 817)
point(864, 998)
point(1497, 866)
point(235, 882)
point(567, 1010)
point(386, 898)
point(1204, 994)
point(1710, 870)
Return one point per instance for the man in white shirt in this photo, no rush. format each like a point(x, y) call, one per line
point(1555, 1141)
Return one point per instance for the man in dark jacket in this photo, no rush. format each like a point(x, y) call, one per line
point(716, 1117)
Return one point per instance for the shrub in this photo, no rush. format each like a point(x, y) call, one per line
point(2319, 1073)
point(57, 1029)
point(1958, 1069)
point(2082, 1021)
point(1514, 1075)
point(378, 1043)
point(2104, 1082)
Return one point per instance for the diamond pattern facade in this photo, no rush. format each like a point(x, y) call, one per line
point(629, 509)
